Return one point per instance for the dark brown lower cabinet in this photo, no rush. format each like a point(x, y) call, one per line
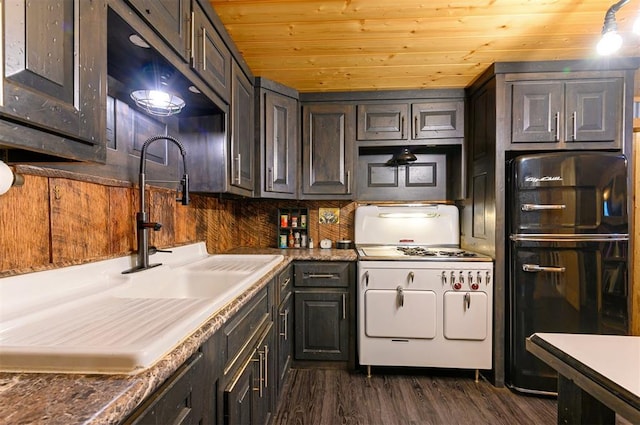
point(248, 397)
point(324, 323)
point(322, 331)
point(178, 401)
point(285, 338)
point(284, 325)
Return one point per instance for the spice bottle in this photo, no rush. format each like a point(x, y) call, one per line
point(292, 239)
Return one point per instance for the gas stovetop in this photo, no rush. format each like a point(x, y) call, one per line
point(393, 252)
point(410, 232)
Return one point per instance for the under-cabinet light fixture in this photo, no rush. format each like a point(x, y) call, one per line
point(611, 40)
point(156, 97)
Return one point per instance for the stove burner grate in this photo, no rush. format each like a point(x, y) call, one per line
point(424, 252)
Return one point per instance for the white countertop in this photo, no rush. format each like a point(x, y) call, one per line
point(615, 357)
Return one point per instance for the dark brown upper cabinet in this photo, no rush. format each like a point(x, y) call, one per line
point(428, 120)
point(387, 121)
point(242, 142)
point(567, 113)
point(277, 138)
point(170, 18)
point(328, 151)
point(438, 119)
point(210, 57)
point(54, 79)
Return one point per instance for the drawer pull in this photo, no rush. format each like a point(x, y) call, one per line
point(285, 321)
point(193, 38)
point(204, 49)
point(321, 276)
point(344, 306)
point(266, 366)
point(285, 283)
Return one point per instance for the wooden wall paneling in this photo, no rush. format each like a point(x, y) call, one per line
point(269, 226)
point(206, 220)
point(215, 223)
point(122, 220)
point(162, 209)
point(185, 222)
point(347, 218)
point(248, 217)
point(79, 220)
point(24, 217)
point(227, 226)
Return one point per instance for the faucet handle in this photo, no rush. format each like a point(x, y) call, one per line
point(150, 225)
point(153, 250)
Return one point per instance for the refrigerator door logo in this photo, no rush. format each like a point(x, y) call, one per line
point(532, 179)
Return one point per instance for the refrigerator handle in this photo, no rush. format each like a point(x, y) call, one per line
point(539, 268)
point(539, 207)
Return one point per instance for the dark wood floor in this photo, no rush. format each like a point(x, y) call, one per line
point(316, 396)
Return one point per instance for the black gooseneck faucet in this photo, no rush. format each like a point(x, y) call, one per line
point(142, 223)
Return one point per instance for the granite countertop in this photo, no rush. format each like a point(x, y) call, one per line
point(48, 398)
point(302, 254)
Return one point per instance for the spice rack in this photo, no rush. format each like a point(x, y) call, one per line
point(293, 226)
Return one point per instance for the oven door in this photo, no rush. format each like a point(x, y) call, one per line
point(565, 287)
point(400, 313)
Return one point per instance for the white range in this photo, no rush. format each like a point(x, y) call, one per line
point(422, 301)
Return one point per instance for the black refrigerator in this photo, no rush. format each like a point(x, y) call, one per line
point(567, 254)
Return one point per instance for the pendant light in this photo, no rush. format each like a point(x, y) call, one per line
point(156, 96)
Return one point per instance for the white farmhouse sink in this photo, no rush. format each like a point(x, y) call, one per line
point(128, 322)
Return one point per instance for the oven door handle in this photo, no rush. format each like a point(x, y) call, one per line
point(538, 268)
point(400, 296)
point(540, 207)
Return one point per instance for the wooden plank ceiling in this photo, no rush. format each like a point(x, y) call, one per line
point(346, 45)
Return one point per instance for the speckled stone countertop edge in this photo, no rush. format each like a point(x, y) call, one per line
point(41, 398)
